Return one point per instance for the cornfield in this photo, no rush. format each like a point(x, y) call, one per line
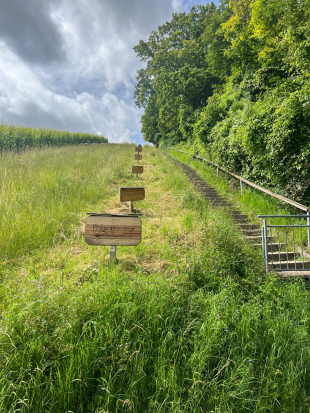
point(18, 138)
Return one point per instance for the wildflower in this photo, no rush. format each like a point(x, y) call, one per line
point(8, 286)
point(26, 321)
point(60, 288)
point(38, 319)
point(43, 348)
point(250, 360)
point(76, 316)
point(226, 330)
point(90, 298)
point(120, 345)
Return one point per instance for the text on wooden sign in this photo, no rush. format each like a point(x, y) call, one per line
point(106, 230)
point(137, 169)
point(131, 194)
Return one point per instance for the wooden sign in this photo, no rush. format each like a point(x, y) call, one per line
point(138, 148)
point(113, 230)
point(137, 169)
point(138, 157)
point(131, 194)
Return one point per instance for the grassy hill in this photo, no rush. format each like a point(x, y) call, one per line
point(185, 322)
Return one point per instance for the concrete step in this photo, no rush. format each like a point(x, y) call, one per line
point(212, 196)
point(281, 256)
point(207, 191)
point(219, 200)
point(241, 220)
point(271, 248)
point(259, 246)
point(250, 226)
point(240, 216)
point(276, 265)
point(254, 238)
point(237, 214)
point(209, 198)
point(288, 274)
point(251, 232)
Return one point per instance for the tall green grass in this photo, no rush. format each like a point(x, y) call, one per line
point(185, 322)
point(44, 193)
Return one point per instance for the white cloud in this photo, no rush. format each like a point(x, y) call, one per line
point(69, 64)
point(25, 98)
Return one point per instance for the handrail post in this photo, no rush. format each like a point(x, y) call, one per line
point(217, 171)
point(241, 185)
point(308, 229)
point(265, 245)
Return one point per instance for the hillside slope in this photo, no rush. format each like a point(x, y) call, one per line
point(185, 322)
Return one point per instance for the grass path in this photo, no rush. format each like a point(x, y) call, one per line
point(185, 322)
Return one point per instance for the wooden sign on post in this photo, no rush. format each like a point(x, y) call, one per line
point(138, 148)
point(132, 194)
point(137, 169)
point(113, 230)
point(138, 157)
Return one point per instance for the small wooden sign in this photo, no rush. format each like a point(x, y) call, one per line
point(137, 169)
point(138, 148)
point(132, 194)
point(113, 230)
point(138, 157)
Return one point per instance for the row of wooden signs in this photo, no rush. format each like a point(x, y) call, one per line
point(116, 230)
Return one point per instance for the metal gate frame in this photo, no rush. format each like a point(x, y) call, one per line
point(300, 250)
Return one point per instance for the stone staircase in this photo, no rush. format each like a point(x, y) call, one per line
point(251, 231)
point(278, 259)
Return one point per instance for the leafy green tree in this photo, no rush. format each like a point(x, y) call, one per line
point(177, 75)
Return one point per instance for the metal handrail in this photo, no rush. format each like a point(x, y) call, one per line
point(282, 216)
point(266, 191)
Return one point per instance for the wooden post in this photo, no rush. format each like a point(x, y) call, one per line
point(130, 206)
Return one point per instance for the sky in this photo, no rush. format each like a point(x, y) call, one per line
point(69, 64)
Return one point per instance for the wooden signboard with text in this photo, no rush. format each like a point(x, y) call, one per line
point(113, 230)
point(132, 194)
point(137, 169)
point(138, 148)
point(138, 157)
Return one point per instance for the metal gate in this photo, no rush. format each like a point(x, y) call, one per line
point(284, 246)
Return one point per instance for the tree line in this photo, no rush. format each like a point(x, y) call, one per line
point(233, 83)
point(17, 138)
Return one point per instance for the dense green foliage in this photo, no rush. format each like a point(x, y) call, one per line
point(247, 65)
point(21, 137)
